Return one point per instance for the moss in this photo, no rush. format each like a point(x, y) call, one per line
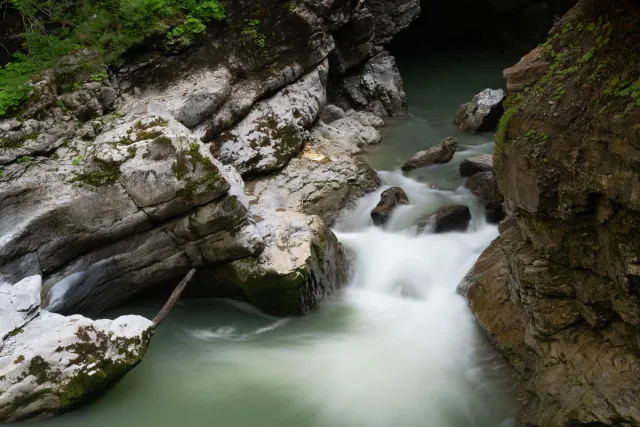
point(16, 332)
point(157, 122)
point(19, 359)
point(24, 159)
point(147, 135)
point(8, 144)
point(40, 369)
point(106, 175)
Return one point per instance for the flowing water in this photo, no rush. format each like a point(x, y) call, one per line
point(398, 347)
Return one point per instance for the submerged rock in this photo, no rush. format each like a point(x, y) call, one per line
point(476, 164)
point(390, 199)
point(441, 153)
point(484, 186)
point(482, 113)
point(50, 363)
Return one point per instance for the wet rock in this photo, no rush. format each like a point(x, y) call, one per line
point(301, 266)
point(390, 199)
point(529, 70)
point(482, 113)
point(476, 164)
point(52, 363)
point(375, 86)
point(441, 153)
point(451, 218)
point(484, 186)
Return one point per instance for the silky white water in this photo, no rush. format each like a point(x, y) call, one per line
point(398, 347)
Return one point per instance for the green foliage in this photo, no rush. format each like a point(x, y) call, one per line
point(24, 159)
point(110, 27)
point(77, 160)
point(251, 30)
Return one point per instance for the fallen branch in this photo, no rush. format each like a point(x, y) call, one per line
point(173, 299)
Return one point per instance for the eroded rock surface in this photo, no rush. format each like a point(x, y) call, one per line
point(50, 363)
point(558, 290)
point(484, 186)
point(441, 153)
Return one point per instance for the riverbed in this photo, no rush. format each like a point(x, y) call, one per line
point(398, 347)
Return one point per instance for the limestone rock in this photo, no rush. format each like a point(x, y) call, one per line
point(302, 264)
point(390, 199)
point(375, 86)
point(441, 153)
point(482, 113)
point(331, 113)
point(51, 364)
point(476, 164)
point(529, 70)
point(484, 186)
point(275, 129)
point(137, 208)
point(354, 41)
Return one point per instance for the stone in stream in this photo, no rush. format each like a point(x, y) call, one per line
point(482, 113)
point(441, 153)
point(51, 363)
point(484, 186)
point(390, 199)
point(451, 218)
point(476, 164)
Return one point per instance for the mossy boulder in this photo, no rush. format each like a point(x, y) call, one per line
point(52, 363)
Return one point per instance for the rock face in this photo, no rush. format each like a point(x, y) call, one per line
point(482, 113)
point(441, 153)
point(390, 199)
point(392, 16)
point(484, 186)
point(51, 363)
point(529, 70)
point(558, 291)
point(476, 164)
point(122, 185)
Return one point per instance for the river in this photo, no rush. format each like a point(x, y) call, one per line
point(398, 347)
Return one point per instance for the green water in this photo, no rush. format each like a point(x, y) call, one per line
point(373, 357)
point(435, 86)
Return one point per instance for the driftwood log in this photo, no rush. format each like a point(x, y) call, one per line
point(173, 299)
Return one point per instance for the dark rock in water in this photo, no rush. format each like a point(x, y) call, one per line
point(451, 218)
point(441, 153)
point(476, 164)
point(389, 200)
point(484, 186)
point(482, 113)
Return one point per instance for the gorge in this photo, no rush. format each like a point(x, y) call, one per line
point(255, 153)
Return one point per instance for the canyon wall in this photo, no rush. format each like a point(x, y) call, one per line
point(559, 290)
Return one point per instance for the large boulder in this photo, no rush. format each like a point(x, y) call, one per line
point(50, 363)
point(451, 218)
point(482, 113)
point(484, 186)
point(390, 199)
point(476, 164)
point(441, 153)
point(107, 218)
